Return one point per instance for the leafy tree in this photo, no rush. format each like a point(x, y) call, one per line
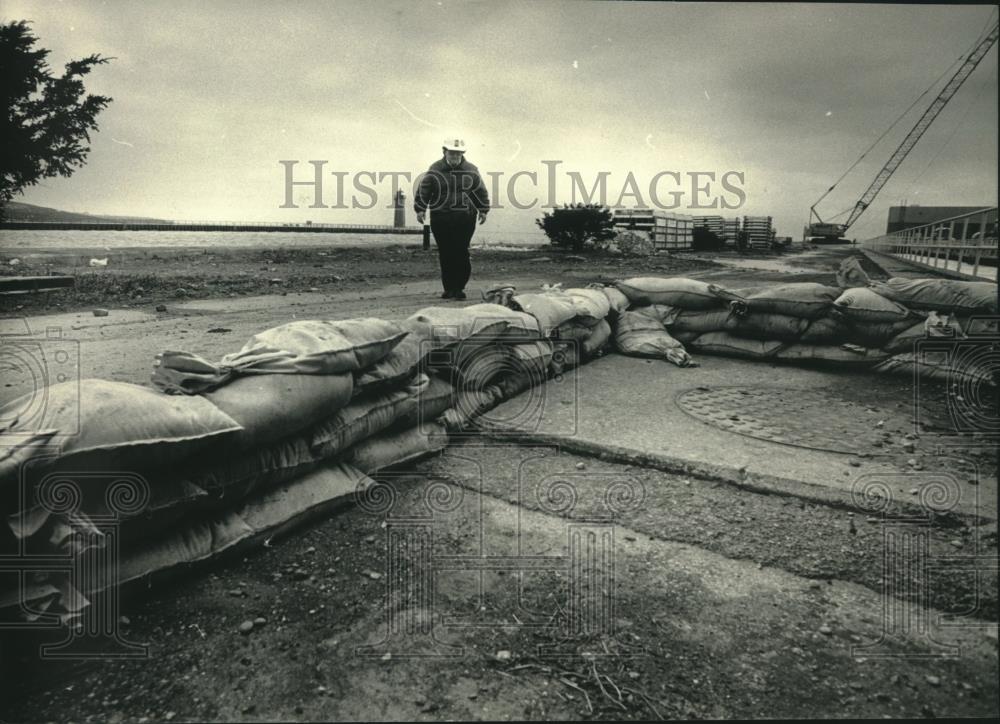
point(575, 226)
point(47, 120)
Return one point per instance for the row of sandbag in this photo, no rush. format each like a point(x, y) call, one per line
point(802, 321)
point(265, 422)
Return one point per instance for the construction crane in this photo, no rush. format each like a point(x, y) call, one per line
point(821, 231)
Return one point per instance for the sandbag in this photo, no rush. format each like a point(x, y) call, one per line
point(939, 365)
point(864, 305)
point(550, 308)
point(447, 326)
point(400, 364)
point(942, 295)
point(807, 300)
point(514, 383)
point(851, 274)
point(617, 302)
point(270, 407)
point(934, 327)
point(826, 330)
point(690, 294)
point(844, 354)
point(472, 364)
point(470, 404)
point(760, 325)
point(724, 343)
point(109, 426)
point(591, 305)
point(572, 330)
point(597, 341)
point(566, 355)
point(639, 335)
point(876, 334)
point(396, 448)
point(977, 326)
point(438, 396)
point(709, 320)
point(363, 418)
point(307, 347)
point(531, 359)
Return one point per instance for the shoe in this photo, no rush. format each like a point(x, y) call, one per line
point(446, 295)
point(458, 295)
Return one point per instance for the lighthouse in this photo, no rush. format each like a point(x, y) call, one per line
point(399, 204)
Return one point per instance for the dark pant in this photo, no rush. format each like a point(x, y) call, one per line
point(452, 233)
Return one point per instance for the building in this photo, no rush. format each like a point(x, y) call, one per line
point(906, 217)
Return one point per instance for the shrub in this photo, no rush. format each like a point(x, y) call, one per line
point(633, 243)
point(576, 226)
point(704, 240)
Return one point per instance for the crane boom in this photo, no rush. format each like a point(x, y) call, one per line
point(936, 106)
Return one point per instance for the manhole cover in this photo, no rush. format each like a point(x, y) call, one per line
point(813, 419)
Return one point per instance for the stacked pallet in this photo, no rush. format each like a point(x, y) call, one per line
point(673, 231)
point(759, 231)
point(712, 224)
point(730, 231)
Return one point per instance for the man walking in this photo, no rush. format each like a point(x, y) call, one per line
point(454, 192)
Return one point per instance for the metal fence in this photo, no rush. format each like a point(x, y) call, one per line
point(965, 244)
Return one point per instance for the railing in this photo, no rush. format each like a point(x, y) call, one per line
point(965, 245)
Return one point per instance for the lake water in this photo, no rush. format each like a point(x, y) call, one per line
point(13, 240)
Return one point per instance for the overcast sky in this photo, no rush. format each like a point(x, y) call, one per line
point(209, 96)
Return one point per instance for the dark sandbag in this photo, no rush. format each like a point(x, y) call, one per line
point(438, 396)
point(826, 330)
point(729, 345)
point(849, 355)
point(802, 299)
point(680, 292)
point(877, 334)
point(363, 418)
point(936, 326)
point(108, 426)
point(711, 320)
point(759, 325)
point(941, 295)
point(271, 406)
point(939, 365)
point(397, 447)
point(469, 405)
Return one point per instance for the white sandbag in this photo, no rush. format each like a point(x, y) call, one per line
point(448, 326)
point(942, 295)
point(591, 305)
point(851, 274)
point(572, 329)
point(103, 425)
point(396, 448)
point(310, 347)
point(768, 326)
point(674, 291)
point(399, 366)
point(807, 300)
point(864, 305)
point(639, 335)
point(550, 308)
point(667, 315)
point(363, 418)
point(617, 302)
point(724, 343)
point(845, 354)
point(270, 407)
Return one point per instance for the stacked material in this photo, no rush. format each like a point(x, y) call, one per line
point(712, 224)
point(730, 231)
point(759, 231)
point(892, 326)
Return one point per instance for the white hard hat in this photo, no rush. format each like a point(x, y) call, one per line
point(454, 144)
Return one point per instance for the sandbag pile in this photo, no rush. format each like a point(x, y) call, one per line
point(870, 324)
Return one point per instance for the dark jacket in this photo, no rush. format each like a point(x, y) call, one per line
point(444, 189)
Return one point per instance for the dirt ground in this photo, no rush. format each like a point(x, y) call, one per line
point(721, 603)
